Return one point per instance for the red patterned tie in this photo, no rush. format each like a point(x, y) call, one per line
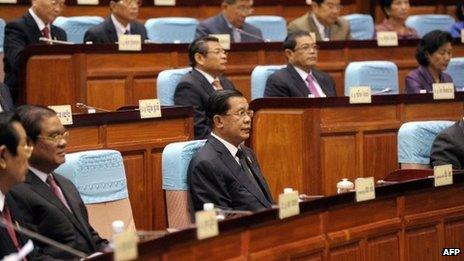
point(7, 216)
point(57, 191)
point(46, 32)
point(311, 86)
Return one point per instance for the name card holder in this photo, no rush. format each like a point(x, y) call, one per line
point(224, 40)
point(387, 39)
point(64, 113)
point(125, 246)
point(165, 2)
point(443, 91)
point(129, 42)
point(8, 1)
point(365, 189)
point(360, 94)
point(207, 224)
point(462, 35)
point(87, 2)
point(443, 175)
point(289, 204)
point(149, 108)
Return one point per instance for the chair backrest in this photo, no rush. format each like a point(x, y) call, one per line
point(426, 23)
point(171, 29)
point(381, 76)
point(361, 26)
point(76, 26)
point(175, 161)
point(415, 141)
point(259, 77)
point(166, 84)
point(101, 181)
point(274, 28)
point(456, 70)
point(2, 34)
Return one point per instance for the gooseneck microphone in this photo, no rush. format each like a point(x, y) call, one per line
point(252, 35)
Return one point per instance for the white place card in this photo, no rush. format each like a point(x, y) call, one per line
point(207, 224)
point(360, 94)
point(224, 40)
point(387, 39)
point(288, 204)
point(443, 175)
point(87, 2)
point(309, 2)
point(8, 1)
point(130, 42)
point(462, 35)
point(443, 91)
point(125, 246)
point(64, 113)
point(365, 189)
point(165, 2)
point(149, 108)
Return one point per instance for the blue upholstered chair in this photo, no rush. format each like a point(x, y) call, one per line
point(175, 161)
point(274, 28)
point(381, 76)
point(76, 26)
point(2, 34)
point(415, 141)
point(166, 84)
point(101, 181)
point(259, 77)
point(361, 26)
point(171, 29)
point(456, 70)
point(426, 23)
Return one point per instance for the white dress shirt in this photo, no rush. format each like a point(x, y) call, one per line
point(208, 77)
point(2, 201)
point(231, 148)
point(320, 28)
point(39, 21)
point(120, 29)
point(304, 75)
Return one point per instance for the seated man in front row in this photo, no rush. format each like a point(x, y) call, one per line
point(300, 78)
point(225, 172)
point(448, 147)
point(121, 21)
point(50, 203)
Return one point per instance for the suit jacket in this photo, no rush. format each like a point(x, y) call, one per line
point(194, 89)
point(44, 213)
point(215, 176)
point(5, 98)
point(421, 79)
point(106, 32)
point(340, 30)
point(448, 147)
point(286, 82)
point(18, 34)
point(218, 25)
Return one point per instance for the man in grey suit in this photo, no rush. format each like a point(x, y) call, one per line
point(300, 78)
point(232, 21)
point(225, 172)
point(324, 21)
point(50, 204)
point(6, 103)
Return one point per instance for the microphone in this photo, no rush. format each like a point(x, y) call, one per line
point(22, 230)
point(252, 35)
point(54, 41)
point(90, 109)
point(386, 90)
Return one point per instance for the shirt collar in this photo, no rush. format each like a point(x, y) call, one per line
point(319, 25)
point(231, 148)
point(37, 20)
point(2, 201)
point(208, 76)
point(120, 29)
point(228, 23)
point(1, 108)
point(40, 174)
point(302, 73)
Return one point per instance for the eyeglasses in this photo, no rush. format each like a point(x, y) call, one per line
point(57, 3)
point(242, 113)
point(218, 51)
point(245, 9)
point(131, 2)
point(57, 137)
point(306, 48)
point(333, 6)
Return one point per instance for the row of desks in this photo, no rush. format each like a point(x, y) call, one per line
point(85, 73)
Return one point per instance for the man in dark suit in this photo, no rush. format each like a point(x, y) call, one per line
point(225, 172)
point(36, 23)
point(448, 147)
point(231, 21)
point(300, 78)
point(208, 60)
point(50, 203)
point(121, 21)
point(6, 103)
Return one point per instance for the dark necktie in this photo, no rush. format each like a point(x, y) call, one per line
point(46, 32)
point(11, 233)
point(57, 191)
point(249, 170)
point(127, 32)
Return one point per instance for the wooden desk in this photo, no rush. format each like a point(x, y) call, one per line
point(406, 221)
point(141, 143)
point(311, 144)
point(86, 73)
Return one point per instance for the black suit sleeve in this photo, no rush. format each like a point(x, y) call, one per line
point(15, 41)
point(101, 244)
point(91, 36)
point(185, 94)
point(275, 87)
point(201, 31)
point(444, 151)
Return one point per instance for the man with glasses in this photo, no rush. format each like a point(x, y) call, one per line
point(208, 61)
point(324, 21)
point(35, 24)
point(50, 203)
point(123, 20)
point(300, 78)
point(231, 21)
point(225, 172)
